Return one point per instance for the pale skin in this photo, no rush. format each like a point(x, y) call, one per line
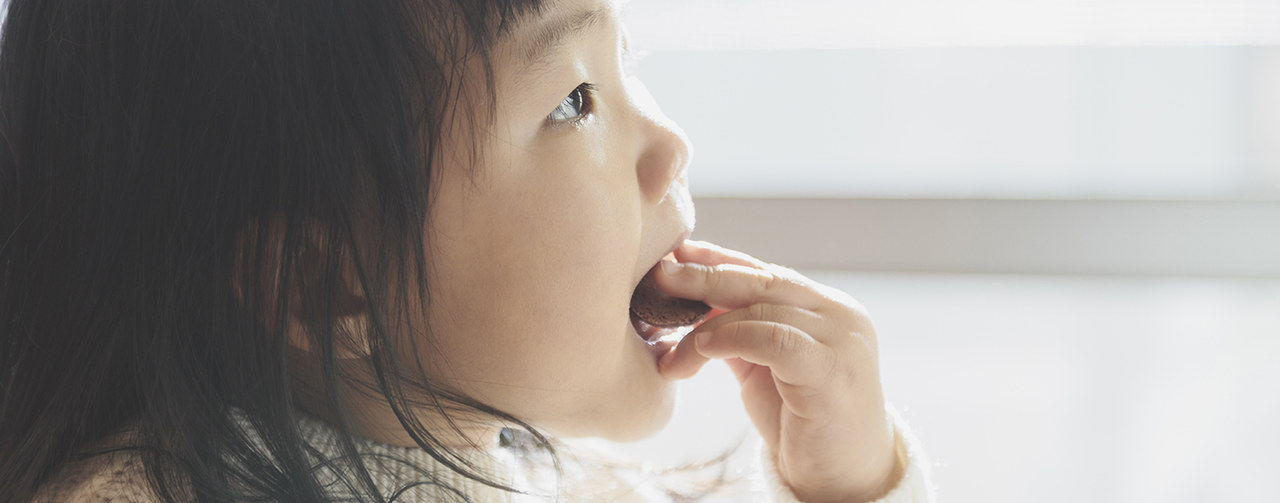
point(805, 356)
point(535, 252)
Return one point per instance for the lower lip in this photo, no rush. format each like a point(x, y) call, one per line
point(664, 343)
point(660, 348)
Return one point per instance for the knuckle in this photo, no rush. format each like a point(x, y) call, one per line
point(830, 364)
point(788, 273)
point(759, 311)
point(711, 277)
point(783, 338)
point(854, 315)
point(734, 332)
point(773, 282)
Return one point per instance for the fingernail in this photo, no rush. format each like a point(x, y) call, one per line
point(669, 268)
point(702, 339)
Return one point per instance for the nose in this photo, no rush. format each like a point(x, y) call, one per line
point(665, 155)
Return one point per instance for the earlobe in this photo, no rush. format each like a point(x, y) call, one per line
point(350, 337)
point(349, 334)
point(318, 278)
point(327, 296)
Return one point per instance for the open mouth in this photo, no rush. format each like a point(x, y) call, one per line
point(657, 316)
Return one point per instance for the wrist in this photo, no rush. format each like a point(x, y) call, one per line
point(892, 467)
point(892, 478)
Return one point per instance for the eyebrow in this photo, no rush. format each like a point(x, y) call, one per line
point(551, 36)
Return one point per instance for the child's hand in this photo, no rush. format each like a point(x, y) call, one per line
point(805, 355)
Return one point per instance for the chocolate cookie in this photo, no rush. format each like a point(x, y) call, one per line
point(661, 310)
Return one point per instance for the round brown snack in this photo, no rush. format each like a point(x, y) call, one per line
point(661, 310)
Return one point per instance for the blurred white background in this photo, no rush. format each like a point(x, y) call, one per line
point(1064, 216)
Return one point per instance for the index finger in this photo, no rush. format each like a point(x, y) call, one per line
point(733, 286)
point(702, 252)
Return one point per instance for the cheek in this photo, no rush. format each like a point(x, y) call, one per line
point(538, 276)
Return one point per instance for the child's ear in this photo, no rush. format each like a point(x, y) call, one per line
point(318, 274)
point(326, 273)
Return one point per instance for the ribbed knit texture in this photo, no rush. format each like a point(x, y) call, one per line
point(119, 478)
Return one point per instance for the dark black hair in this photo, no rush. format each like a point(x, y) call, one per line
point(182, 180)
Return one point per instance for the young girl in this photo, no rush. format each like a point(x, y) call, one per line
point(378, 250)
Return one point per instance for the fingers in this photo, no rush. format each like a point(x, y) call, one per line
point(684, 361)
point(741, 368)
point(792, 355)
point(776, 318)
point(761, 399)
point(771, 335)
point(702, 252)
point(731, 286)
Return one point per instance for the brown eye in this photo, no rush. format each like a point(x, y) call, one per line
point(575, 107)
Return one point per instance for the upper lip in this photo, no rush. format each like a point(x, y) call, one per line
point(679, 240)
point(684, 236)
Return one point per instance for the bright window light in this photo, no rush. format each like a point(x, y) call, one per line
point(1169, 99)
point(842, 24)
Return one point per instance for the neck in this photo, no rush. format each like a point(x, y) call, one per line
point(372, 417)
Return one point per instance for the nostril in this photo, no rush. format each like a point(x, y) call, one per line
point(664, 162)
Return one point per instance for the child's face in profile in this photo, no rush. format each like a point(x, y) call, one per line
point(580, 191)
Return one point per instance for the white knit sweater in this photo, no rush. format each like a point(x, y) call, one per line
point(118, 477)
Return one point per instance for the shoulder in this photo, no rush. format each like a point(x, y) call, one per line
point(116, 477)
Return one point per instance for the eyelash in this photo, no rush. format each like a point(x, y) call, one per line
point(586, 92)
point(586, 98)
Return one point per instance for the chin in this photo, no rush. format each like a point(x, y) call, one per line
point(631, 419)
point(639, 423)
